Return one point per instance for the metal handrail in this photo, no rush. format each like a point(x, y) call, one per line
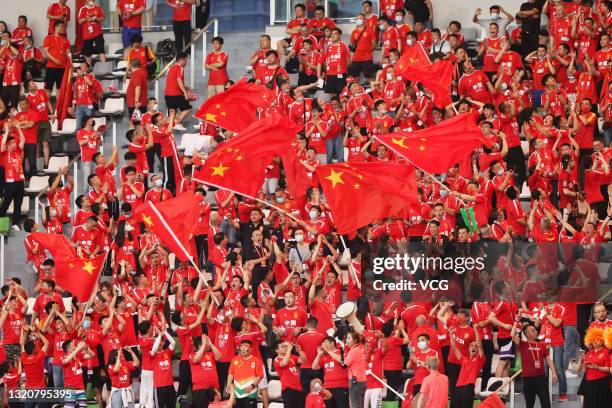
point(185, 48)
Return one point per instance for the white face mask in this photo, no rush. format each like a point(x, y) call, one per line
point(299, 238)
point(359, 22)
point(399, 19)
point(494, 16)
point(313, 215)
point(410, 42)
point(389, 76)
point(53, 213)
point(129, 228)
point(504, 86)
point(158, 182)
point(382, 27)
point(422, 345)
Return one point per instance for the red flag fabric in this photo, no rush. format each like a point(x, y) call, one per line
point(64, 96)
point(438, 148)
point(492, 401)
point(360, 193)
point(239, 163)
point(436, 77)
point(413, 54)
point(236, 108)
point(298, 182)
point(79, 275)
point(173, 221)
point(57, 244)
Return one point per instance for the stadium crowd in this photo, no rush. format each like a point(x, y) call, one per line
point(275, 271)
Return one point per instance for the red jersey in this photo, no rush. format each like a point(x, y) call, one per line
point(289, 375)
point(474, 85)
point(129, 6)
point(336, 57)
point(58, 46)
point(204, 372)
point(162, 368)
point(174, 74)
point(121, 379)
point(56, 9)
point(91, 29)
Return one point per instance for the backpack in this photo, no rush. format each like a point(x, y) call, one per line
point(166, 48)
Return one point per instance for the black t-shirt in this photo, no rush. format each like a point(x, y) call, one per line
point(418, 8)
point(530, 25)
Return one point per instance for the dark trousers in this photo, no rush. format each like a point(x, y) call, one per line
point(200, 399)
point(584, 153)
point(394, 379)
point(165, 397)
point(464, 397)
point(29, 151)
point(151, 153)
point(202, 13)
point(488, 349)
point(184, 377)
point(452, 372)
point(182, 34)
point(339, 399)
point(516, 159)
point(13, 192)
point(293, 398)
point(246, 403)
point(10, 96)
point(533, 386)
point(169, 181)
point(583, 318)
point(222, 371)
point(201, 250)
point(307, 375)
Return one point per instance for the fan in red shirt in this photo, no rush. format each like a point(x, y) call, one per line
point(335, 376)
point(216, 63)
point(269, 73)
point(57, 11)
point(289, 320)
point(475, 84)
point(131, 17)
point(90, 17)
point(72, 361)
point(471, 364)
point(33, 359)
point(293, 28)
point(57, 51)
point(203, 363)
point(119, 370)
point(287, 366)
point(137, 91)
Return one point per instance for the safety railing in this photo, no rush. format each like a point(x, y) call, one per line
point(281, 11)
point(203, 34)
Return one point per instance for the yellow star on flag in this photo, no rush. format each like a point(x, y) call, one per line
point(71, 265)
point(335, 178)
point(399, 142)
point(422, 148)
point(239, 157)
point(223, 113)
point(356, 186)
point(210, 117)
point(218, 106)
point(89, 267)
point(147, 220)
point(219, 170)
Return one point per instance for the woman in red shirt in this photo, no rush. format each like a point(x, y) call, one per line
point(119, 370)
point(595, 386)
point(216, 64)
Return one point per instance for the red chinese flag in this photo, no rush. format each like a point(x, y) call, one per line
point(79, 275)
point(236, 108)
point(361, 193)
point(173, 221)
point(298, 182)
point(438, 148)
point(239, 163)
point(436, 77)
point(57, 244)
point(64, 96)
point(413, 54)
point(492, 401)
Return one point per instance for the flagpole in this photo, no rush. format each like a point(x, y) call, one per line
point(410, 161)
point(180, 244)
point(350, 264)
point(251, 197)
point(387, 386)
point(92, 294)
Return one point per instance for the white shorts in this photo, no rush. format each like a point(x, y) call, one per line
point(264, 381)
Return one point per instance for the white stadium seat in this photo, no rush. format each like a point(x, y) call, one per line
point(37, 184)
point(55, 163)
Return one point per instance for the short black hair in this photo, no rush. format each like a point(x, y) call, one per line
point(218, 39)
